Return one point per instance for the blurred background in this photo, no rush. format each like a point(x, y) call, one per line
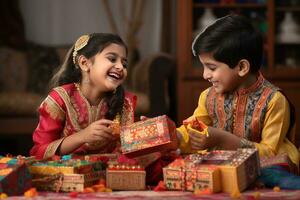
point(36, 34)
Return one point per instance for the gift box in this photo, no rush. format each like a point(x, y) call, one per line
point(69, 172)
point(65, 167)
point(174, 175)
point(151, 135)
point(68, 182)
point(125, 177)
point(202, 177)
point(185, 175)
point(15, 178)
point(238, 168)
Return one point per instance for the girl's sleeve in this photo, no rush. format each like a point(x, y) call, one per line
point(276, 124)
point(48, 136)
point(201, 112)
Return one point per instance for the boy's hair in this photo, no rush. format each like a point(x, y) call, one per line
point(230, 39)
point(70, 73)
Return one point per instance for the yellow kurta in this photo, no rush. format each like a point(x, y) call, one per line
point(274, 130)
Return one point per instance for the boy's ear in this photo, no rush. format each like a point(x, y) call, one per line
point(243, 67)
point(84, 63)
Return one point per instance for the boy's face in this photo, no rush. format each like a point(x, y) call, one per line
point(223, 78)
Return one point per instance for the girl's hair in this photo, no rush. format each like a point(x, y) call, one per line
point(230, 39)
point(70, 73)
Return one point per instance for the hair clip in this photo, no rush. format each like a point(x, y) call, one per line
point(79, 44)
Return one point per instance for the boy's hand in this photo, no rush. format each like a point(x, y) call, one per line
point(198, 133)
point(198, 141)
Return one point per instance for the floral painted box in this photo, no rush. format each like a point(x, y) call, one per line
point(151, 135)
point(15, 178)
point(238, 169)
point(184, 175)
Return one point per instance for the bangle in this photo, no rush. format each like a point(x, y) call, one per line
point(244, 143)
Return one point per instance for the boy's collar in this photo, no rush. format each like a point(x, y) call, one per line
point(253, 87)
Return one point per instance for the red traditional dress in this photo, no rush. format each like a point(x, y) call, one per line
point(66, 111)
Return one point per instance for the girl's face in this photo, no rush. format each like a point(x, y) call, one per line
point(223, 78)
point(109, 68)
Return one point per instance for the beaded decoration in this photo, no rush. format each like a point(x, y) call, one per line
point(79, 44)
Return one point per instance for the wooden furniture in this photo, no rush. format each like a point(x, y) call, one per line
point(275, 67)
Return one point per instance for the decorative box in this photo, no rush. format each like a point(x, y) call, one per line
point(68, 182)
point(15, 178)
point(202, 177)
point(185, 175)
point(238, 168)
point(151, 135)
point(174, 175)
point(68, 173)
point(64, 167)
point(125, 177)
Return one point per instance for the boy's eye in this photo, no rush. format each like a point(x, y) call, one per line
point(211, 67)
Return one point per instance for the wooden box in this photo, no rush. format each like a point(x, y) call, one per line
point(68, 182)
point(123, 177)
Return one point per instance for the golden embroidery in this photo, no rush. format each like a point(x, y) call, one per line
point(70, 109)
point(93, 111)
point(52, 148)
point(127, 112)
point(54, 110)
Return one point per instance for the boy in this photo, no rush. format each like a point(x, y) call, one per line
point(241, 109)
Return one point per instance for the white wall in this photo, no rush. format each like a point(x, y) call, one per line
point(61, 22)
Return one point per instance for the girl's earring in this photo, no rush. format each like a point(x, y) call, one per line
point(86, 80)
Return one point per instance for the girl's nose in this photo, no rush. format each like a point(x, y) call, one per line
point(119, 66)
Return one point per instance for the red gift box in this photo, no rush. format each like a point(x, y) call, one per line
point(15, 178)
point(151, 135)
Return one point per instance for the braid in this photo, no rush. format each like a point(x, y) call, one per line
point(115, 103)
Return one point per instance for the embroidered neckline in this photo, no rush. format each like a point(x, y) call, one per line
point(77, 86)
point(253, 87)
point(93, 110)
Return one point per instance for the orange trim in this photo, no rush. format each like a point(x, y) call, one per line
point(221, 111)
point(239, 116)
point(210, 101)
point(255, 123)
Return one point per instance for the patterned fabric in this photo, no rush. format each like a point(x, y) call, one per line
point(260, 114)
point(243, 112)
point(66, 111)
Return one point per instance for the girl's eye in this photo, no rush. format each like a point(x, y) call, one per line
point(125, 64)
point(112, 59)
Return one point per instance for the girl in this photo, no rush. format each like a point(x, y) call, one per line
point(78, 113)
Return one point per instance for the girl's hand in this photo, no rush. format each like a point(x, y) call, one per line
point(98, 131)
point(143, 118)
